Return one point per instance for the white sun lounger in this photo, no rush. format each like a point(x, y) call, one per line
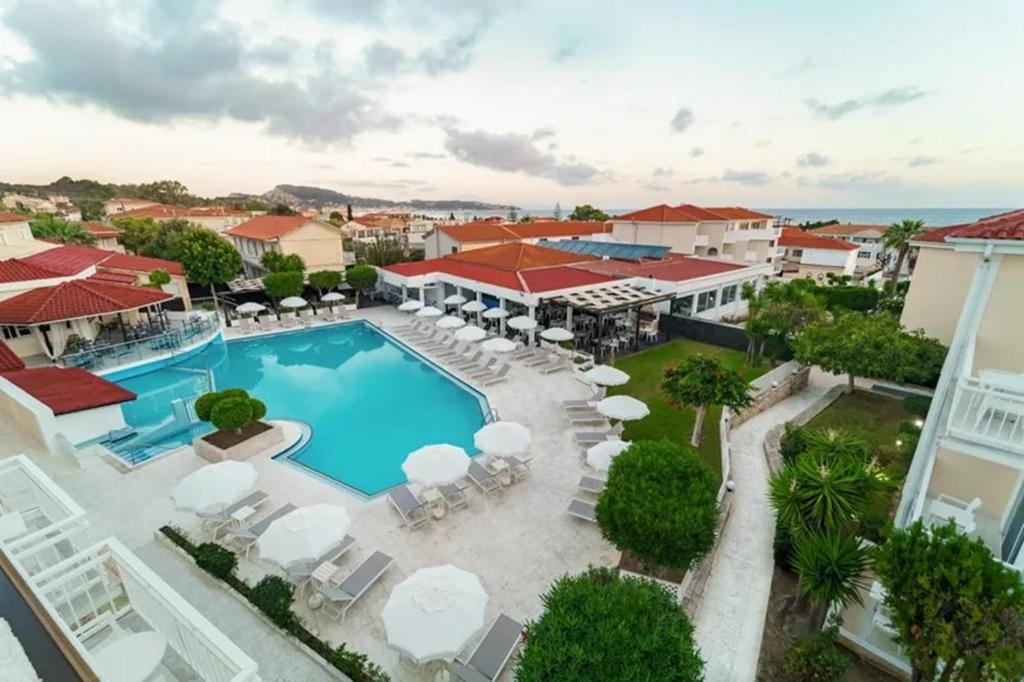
point(557, 364)
point(586, 417)
point(582, 509)
point(496, 377)
point(338, 600)
point(454, 495)
point(578, 404)
point(493, 652)
point(467, 360)
point(540, 359)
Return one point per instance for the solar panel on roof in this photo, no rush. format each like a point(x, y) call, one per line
point(634, 252)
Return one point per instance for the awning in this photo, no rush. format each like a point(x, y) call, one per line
point(611, 299)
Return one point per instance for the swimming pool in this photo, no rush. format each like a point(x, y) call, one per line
point(369, 400)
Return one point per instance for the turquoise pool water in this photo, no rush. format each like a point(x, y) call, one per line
point(369, 400)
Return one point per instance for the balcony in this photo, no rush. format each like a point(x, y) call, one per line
point(734, 236)
point(990, 410)
point(701, 240)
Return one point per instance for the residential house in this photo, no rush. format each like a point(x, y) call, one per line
point(16, 237)
point(367, 230)
point(214, 218)
point(106, 236)
point(808, 255)
point(318, 243)
point(448, 239)
point(871, 252)
point(112, 207)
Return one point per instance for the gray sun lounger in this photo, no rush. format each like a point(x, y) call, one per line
point(556, 365)
point(522, 353)
point(493, 652)
point(590, 484)
point(223, 517)
point(582, 509)
point(337, 600)
point(247, 537)
point(483, 478)
point(487, 365)
point(454, 495)
point(487, 370)
point(467, 360)
point(497, 377)
point(540, 359)
point(594, 437)
point(455, 351)
point(300, 573)
point(408, 506)
point(586, 417)
point(578, 404)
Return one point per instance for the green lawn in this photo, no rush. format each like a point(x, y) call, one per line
point(646, 370)
point(873, 418)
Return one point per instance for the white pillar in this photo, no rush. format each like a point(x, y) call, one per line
point(422, 294)
point(479, 297)
point(405, 293)
point(501, 320)
point(532, 314)
point(568, 317)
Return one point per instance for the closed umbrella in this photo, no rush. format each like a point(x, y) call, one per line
point(333, 296)
point(215, 486)
point(451, 322)
point(434, 613)
point(294, 302)
point(471, 333)
point(557, 334)
point(522, 323)
point(436, 464)
point(410, 306)
point(474, 307)
point(495, 313)
point(250, 308)
point(455, 299)
point(606, 375)
point(623, 407)
point(498, 345)
point(502, 438)
point(601, 455)
point(429, 311)
point(304, 534)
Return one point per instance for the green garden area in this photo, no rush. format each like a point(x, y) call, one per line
point(646, 371)
point(873, 418)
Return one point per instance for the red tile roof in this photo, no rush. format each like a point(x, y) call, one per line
point(1009, 225)
point(67, 259)
point(673, 268)
point(481, 231)
point(114, 278)
point(142, 264)
point(793, 237)
point(847, 230)
point(266, 227)
point(508, 279)
point(562, 277)
point(8, 360)
point(518, 256)
point(100, 230)
point(662, 213)
point(166, 211)
point(739, 213)
point(12, 218)
point(66, 390)
point(74, 299)
point(689, 213)
point(15, 270)
point(698, 213)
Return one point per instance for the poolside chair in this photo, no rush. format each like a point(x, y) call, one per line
point(301, 572)
point(446, 346)
point(245, 538)
point(578, 404)
point(519, 466)
point(588, 438)
point(496, 377)
point(484, 479)
point(493, 652)
point(487, 365)
point(522, 353)
point(556, 364)
point(582, 509)
point(590, 484)
point(539, 358)
point(222, 518)
point(487, 371)
point(468, 360)
point(408, 506)
point(338, 600)
point(454, 495)
point(455, 351)
point(586, 417)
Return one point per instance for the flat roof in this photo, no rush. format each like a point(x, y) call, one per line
point(673, 268)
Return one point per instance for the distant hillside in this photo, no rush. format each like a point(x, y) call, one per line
point(302, 195)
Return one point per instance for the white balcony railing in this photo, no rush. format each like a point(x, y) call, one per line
point(989, 414)
point(734, 236)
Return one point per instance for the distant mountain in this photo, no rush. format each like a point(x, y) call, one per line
point(305, 196)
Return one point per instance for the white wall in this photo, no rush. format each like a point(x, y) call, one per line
point(85, 425)
point(33, 418)
point(832, 258)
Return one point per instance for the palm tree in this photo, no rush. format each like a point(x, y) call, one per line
point(822, 491)
point(45, 226)
point(831, 570)
point(898, 237)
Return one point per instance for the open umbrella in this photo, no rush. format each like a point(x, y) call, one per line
point(623, 407)
point(522, 323)
point(410, 306)
point(294, 302)
point(215, 486)
point(436, 464)
point(601, 455)
point(606, 375)
point(471, 333)
point(304, 534)
point(434, 613)
point(250, 308)
point(557, 334)
point(502, 438)
point(332, 296)
point(495, 313)
point(451, 322)
point(474, 307)
point(429, 311)
point(455, 299)
point(498, 345)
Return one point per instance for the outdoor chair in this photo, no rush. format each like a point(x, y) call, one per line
point(497, 377)
point(578, 404)
point(446, 346)
point(455, 351)
point(539, 358)
point(493, 652)
point(408, 506)
point(588, 438)
point(522, 353)
point(590, 484)
point(556, 364)
point(487, 371)
point(454, 495)
point(586, 417)
point(338, 599)
point(222, 518)
point(467, 360)
point(300, 573)
point(582, 509)
point(519, 466)
point(485, 366)
point(245, 538)
point(484, 479)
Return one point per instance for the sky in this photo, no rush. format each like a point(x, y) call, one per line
point(617, 104)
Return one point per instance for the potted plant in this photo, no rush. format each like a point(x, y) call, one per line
point(240, 433)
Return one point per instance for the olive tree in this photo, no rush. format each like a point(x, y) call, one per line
point(208, 259)
point(361, 277)
point(700, 381)
point(324, 280)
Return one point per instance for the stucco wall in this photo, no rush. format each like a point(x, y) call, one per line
point(966, 477)
point(937, 292)
point(679, 237)
point(79, 427)
point(1000, 340)
point(318, 245)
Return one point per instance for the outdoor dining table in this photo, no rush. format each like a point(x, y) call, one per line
point(132, 658)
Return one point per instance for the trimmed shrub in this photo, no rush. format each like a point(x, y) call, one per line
point(793, 442)
point(815, 659)
point(259, 409)
point(273, 595)
point(216, 560)
point(204, 405)
point(918, 404)
point(232, 413)
point(357, 666)
point(601, 626)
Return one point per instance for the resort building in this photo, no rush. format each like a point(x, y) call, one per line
point(731, 233)
point(367, 230)
point(16, 238)
point(871, 252)
point(318, 243)
point(106, 236)
point(814, 257)
point(448, 239)
point(214, 218)
point(118, 205)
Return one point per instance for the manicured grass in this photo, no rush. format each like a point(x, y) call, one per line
point(871, 417)
point(646, 370)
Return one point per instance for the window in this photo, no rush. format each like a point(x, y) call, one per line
point(682, 307)
point(729, 294)
point(13, 332)
point(706, 301)
point(455, 249)
point(864, 254)
point(796, 253)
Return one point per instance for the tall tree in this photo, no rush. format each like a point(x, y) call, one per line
point(91, 209)
point(558, 211)
point(898, 237)
point(164, 242)
point(588, 212)
point(166, 192)
point(956, 609)
point(324, 280)
point(701, 381)
point(208, 259)
point(831, 568)
point(361, 277)
point(777, 313)
point(274, 261)
point(45, 226)
point(380, 252)
point(280, 285)
point(136, 233)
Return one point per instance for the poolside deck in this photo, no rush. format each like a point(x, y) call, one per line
point(518, 542)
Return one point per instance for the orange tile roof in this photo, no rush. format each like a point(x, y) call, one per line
point(142, 264)
point(1009, 225)
point(13, 218)
point(739, 213)
point(67, 259)
point(518, 256)
point(674, 267)
point(99, 229)
point(690, 213)
point(478, 231)
point(66, 390)
point(168, 211)
point(267, 227)
point(847, 230)
point(563, 228)
point(796, 238)
point(74, 299)
point(662, 213)
point(698, 213)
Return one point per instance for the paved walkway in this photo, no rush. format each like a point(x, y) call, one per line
point(730, 619)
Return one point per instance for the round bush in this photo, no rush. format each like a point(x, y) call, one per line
point(259, 409)
point(601, 626)
point(273, 596)
point(216, 560)
point(231, 413)
point(233, 393)
point(660, 503)
point(815, 659)
point(204, 405)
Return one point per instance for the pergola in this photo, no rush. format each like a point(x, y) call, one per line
point(611, 300)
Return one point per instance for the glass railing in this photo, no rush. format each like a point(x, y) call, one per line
point(181, 334)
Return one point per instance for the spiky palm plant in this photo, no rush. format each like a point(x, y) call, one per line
point(831, 567)
point(834, 444)
point(819, 493)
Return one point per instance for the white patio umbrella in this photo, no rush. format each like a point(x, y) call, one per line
point(410, 306)
point(522, 323)
point(495, 313)
point(332, 296)
point(502, 438)
point(557, 334)
point(436, 464)
point(214, 486)
point(601, 455)
point(304, 534)
point(434, 613)
point(471, 333)
point(623, 407)
point(606, 375)
point(455, 299)
point(429, 311)
point(450, 322)
point(474, 307)
point(294, 302)
point(250, 308)
point(498, 345)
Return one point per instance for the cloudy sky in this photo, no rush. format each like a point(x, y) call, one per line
point(620, 104)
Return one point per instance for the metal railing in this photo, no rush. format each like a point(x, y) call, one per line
point(988, 414)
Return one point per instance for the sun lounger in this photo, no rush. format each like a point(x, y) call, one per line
point(483, 478)
point(300, 573)
point(454, 496)
point(220, 519)
point(487, 370)
point(337, 600)
point(467, 360)
point(578, 404)
point(556, 364)
point(493, 652)
point(540, 359)
point(590, 484)
point(408, 506)
point(586, 417)
point(486, 366)
point(446, 346)
point(582, 509)
point(519, 466)
point(594, 437)
point(522, 353)
point(496, 377)
point(247, 537)
point(455, 351)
